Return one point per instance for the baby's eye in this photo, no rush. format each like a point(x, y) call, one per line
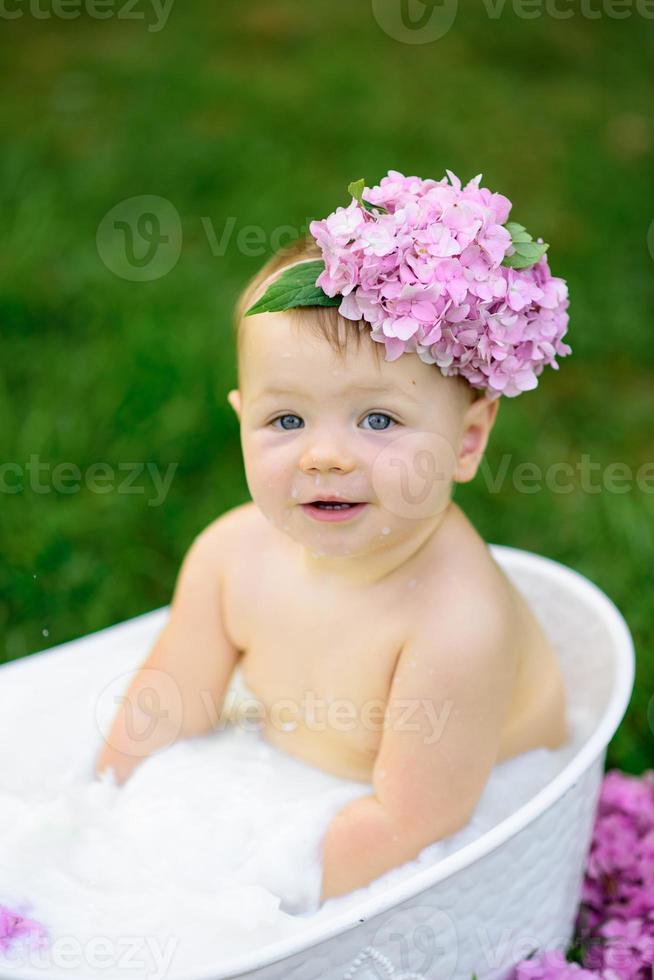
point(376, 416)
point(288, 428)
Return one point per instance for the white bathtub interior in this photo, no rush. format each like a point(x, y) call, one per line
point(211, 846)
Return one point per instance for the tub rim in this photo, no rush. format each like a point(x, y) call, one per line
point(399, 892)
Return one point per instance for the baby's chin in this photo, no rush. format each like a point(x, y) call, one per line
point(354, 536)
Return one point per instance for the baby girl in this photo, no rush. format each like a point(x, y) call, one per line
point(361, 606)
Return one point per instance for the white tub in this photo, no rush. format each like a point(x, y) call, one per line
point(484, 907)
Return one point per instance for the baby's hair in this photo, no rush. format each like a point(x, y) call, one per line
point(324, 321)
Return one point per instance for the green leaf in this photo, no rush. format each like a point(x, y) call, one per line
point(518, 232)
point(526, 255)
point(526, 251)
point(296, 286)
point(356, 190)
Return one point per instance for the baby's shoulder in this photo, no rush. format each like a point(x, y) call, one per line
point(468, 593)
point(228, 535)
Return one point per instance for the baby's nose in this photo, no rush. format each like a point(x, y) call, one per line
point(327, 456)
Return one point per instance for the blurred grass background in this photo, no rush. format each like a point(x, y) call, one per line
point(260, 114)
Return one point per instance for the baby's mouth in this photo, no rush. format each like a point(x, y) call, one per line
point(333, 504)
point(333, 510)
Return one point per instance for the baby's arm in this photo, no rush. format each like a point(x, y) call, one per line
point(447, 704)
point(179, 689)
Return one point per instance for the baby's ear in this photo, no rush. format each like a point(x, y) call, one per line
point(477, 424)
point(234, 399)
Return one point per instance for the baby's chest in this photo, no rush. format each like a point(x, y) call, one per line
point(321, 670)
point(323, 689)
point(329, 655)
point(320, 659)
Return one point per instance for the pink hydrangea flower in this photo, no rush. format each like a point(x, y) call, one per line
point(428, 277)
point(617, 914)
point(615, 924)
point(14, 926)
point(552, 966)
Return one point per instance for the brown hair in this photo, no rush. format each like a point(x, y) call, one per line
point(325, 321)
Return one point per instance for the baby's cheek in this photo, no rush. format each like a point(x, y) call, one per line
point(268, 476)
point(412, 475)
point(259, 454)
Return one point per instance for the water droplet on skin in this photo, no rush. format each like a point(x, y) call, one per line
point(45, 632)
point(294, 493)
point(413, 582)
point(386, 530)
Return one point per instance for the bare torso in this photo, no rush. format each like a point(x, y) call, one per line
point(304, 644)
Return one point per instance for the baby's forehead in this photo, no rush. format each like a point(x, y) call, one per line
point(293, 363)
point(283, 353)
point(345, 381)
point(274, 343)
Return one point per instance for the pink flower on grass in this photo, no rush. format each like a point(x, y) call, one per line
point(615, 925)
point(552, 966)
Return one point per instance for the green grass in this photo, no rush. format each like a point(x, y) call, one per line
point(263, 113)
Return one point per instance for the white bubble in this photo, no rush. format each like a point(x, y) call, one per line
point(45, 632)
point(386, 530)
point(294, 493)
point(412, 583)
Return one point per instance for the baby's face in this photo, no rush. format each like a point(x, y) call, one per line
point(383, 434)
